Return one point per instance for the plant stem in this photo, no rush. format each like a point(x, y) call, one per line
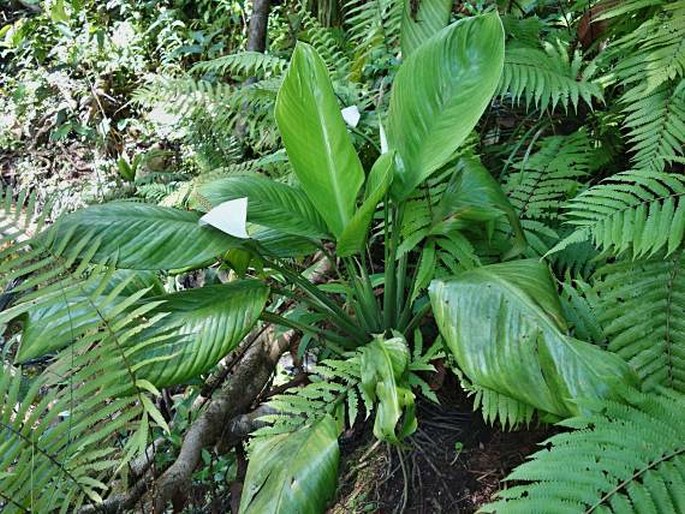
point(417, 318)
point(367, 307)
point(401, 280)
point(270, 317)
point(338, 316)
point(378, 315)
point(389, 295)
point(359, 300)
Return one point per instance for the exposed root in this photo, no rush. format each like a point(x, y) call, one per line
point(237, 394)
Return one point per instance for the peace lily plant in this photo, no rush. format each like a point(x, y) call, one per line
point(425, 231)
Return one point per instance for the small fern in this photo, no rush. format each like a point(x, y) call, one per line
point(335, 384)
point(627, 457)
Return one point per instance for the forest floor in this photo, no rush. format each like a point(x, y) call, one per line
point(453, 463)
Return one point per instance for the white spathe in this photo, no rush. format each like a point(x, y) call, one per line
point(351, 115)
point(384, 139)
point(229, 217)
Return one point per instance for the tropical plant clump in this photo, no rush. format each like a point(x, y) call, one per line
point(495, 189)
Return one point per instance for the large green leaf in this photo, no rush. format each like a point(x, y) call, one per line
point(439, 94)
point(473, 195)
point(421, 20)
point(293, 473)
point(277, 244)
point(270, 204)
point(316, 140)
point(354, 236)
point(198, 328)
point(54, 320)
point(384, 371)
point(143, 237)
point(504, 326)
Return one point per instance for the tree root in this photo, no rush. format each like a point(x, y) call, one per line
point(237, 394)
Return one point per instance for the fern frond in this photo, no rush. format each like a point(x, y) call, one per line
point(242, 64)
point(580, 305)
point(87, 414)
point(527, 30)
point(454, 253)
point(495, 407)
point(182, 95)
point(626, 7)
point(551, 175)
point(274, 164)
point(156, 192)
point(373, 28)
point(213, 112)
point(540, 182)
point(545, 78)
point(628, 457)
point(61, 441)
point(510, 413)
point(641, 307)
point(640, 211)
point(327, 45)
point(335, 384)
point(656, 125)
point(653, 53)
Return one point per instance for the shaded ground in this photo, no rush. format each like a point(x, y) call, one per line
point(453, 463)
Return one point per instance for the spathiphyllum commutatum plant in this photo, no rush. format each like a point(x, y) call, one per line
point(415, 237)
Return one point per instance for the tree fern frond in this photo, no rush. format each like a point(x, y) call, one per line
point(627, 457)
point(641, 307)
point(640, 211)
point(545, 78)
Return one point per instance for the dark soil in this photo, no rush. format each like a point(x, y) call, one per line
point(453, 463)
